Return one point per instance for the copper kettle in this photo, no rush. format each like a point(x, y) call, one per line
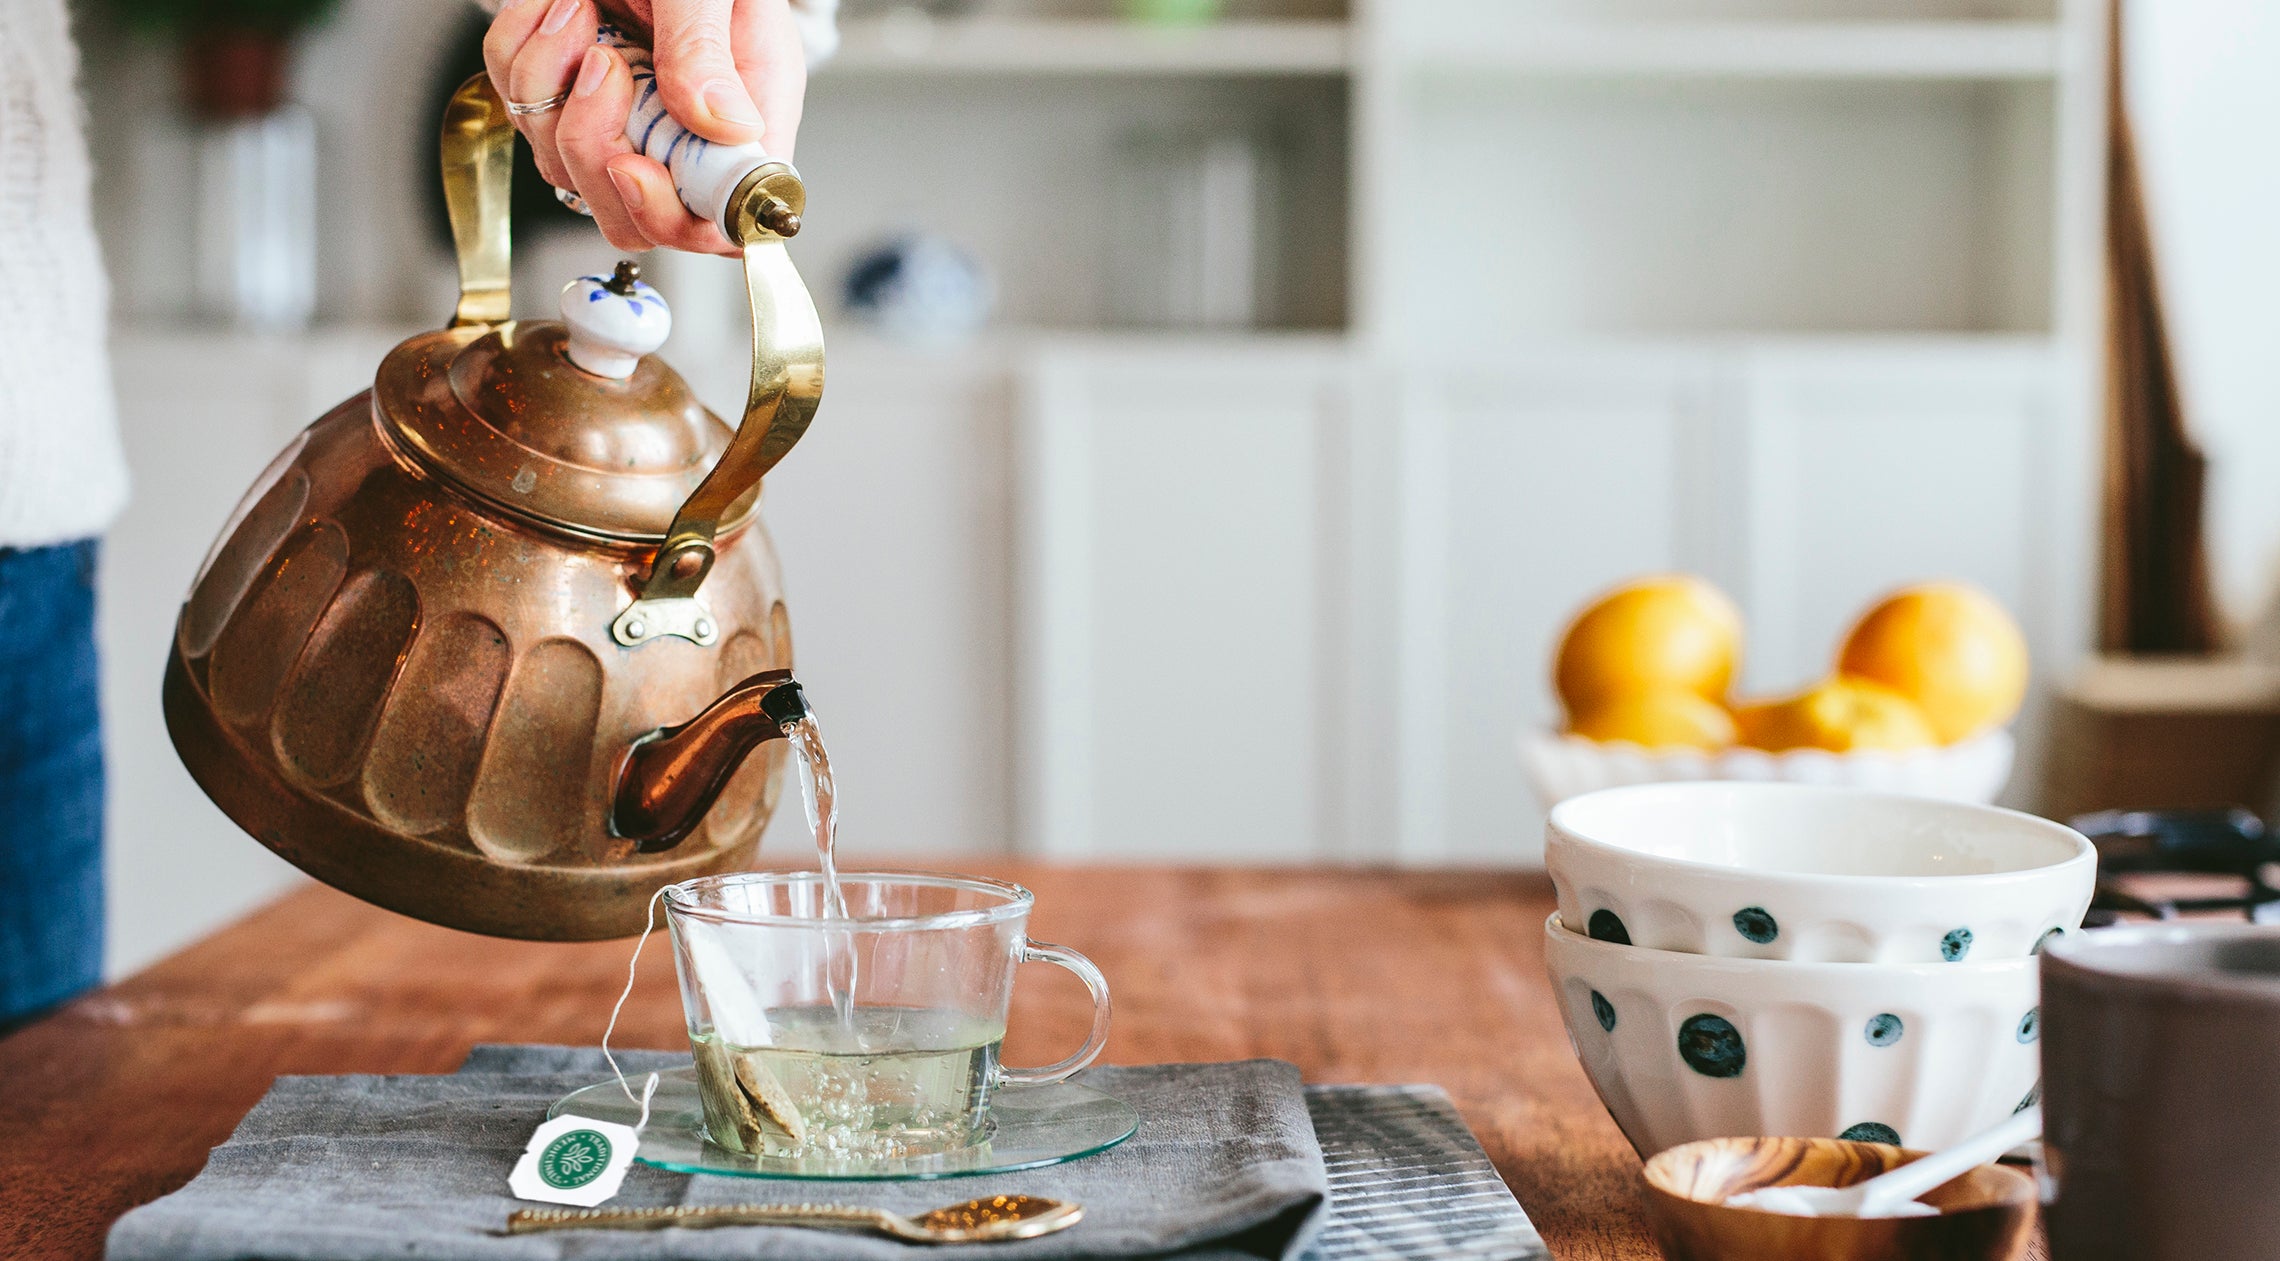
point(490, 642)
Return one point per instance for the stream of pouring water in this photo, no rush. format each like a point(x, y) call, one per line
point(821, 799)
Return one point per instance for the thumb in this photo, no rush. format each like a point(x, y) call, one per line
point(696, 71)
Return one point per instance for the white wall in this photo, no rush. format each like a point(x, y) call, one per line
point(2205, 88)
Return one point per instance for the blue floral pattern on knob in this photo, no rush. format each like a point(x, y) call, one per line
point(614, 321)
point(639, 301)
point(1871, 1132)
point(1955, 945)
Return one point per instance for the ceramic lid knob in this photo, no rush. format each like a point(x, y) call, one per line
point(614, 321)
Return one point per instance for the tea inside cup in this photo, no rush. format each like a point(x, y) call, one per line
point(868, 1034)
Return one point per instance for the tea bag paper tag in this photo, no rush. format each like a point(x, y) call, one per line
point(574, 1160)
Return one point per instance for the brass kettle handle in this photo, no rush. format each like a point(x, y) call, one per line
point(787, 336)
point(787, 386)
point(478, 171)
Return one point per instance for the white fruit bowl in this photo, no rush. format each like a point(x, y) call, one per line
point(1561, 766)
point(1816, 874)
point(1684, 1047)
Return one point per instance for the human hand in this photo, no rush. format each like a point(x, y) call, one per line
point(731, 71)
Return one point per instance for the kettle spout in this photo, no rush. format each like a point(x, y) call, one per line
point(672, 775)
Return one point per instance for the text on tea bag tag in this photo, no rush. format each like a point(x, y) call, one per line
point(574, 1160)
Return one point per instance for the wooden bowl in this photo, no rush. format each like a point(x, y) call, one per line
point(1985, 1215)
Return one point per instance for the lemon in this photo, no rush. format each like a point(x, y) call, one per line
point(1948, 647)
point(1665, 633)
point(1841, 715)
point(1656, 720)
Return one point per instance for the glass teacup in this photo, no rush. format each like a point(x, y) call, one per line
point(870, 1036)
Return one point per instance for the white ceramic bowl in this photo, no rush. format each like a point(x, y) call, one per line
point(1562, 766)
point(1790, 871)
point(1685, 1047)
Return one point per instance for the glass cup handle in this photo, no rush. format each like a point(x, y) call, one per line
point(1045, 952)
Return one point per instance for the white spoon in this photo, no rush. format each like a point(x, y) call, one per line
point(1894, 1194)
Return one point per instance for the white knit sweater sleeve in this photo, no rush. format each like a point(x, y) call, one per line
point(62, 476)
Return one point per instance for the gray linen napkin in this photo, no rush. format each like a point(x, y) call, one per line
point(362, 1168)
point(1408, 1181)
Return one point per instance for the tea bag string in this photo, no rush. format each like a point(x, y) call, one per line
point(649, 1088)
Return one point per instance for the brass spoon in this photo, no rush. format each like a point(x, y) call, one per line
point(974, 1221)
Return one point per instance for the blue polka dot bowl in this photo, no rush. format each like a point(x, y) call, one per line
point(1814, 874)
point(1684, 1047)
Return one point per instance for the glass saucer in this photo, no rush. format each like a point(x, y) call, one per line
point(1031, 1126)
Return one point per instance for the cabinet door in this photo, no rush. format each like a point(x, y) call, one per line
point(1868, 468)
point(1872, 466)
point(890, 520)
point(1528, 488)
point(1179, 579)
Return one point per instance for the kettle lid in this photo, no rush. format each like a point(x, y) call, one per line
point(573, 424)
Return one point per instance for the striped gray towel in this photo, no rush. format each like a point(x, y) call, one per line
point(1408, 1182)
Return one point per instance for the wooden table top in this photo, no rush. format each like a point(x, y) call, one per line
point(1355, 976)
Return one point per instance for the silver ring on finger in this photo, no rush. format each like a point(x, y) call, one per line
point(524, 109)
point(574, 202)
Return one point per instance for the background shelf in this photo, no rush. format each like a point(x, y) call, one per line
point(1768, 49)
point(914, 44)
point(1705, 205)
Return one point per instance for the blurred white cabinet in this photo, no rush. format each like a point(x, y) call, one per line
point(200, 414)
point(1181, 649)
point(1279, 605)
point(891, 520)
point(1869, 467)
point(1525, 488)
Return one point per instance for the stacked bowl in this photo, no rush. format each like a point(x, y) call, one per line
point(1740, 959)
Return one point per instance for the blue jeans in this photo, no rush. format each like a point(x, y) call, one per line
point(51, 779)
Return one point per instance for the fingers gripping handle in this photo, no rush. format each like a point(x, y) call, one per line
point(1042, 952)
point(738, 187)
point(707, 175)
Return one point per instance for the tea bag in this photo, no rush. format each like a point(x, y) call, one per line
point(761, 1089)
point(738, 1088)
point(737, 1084)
